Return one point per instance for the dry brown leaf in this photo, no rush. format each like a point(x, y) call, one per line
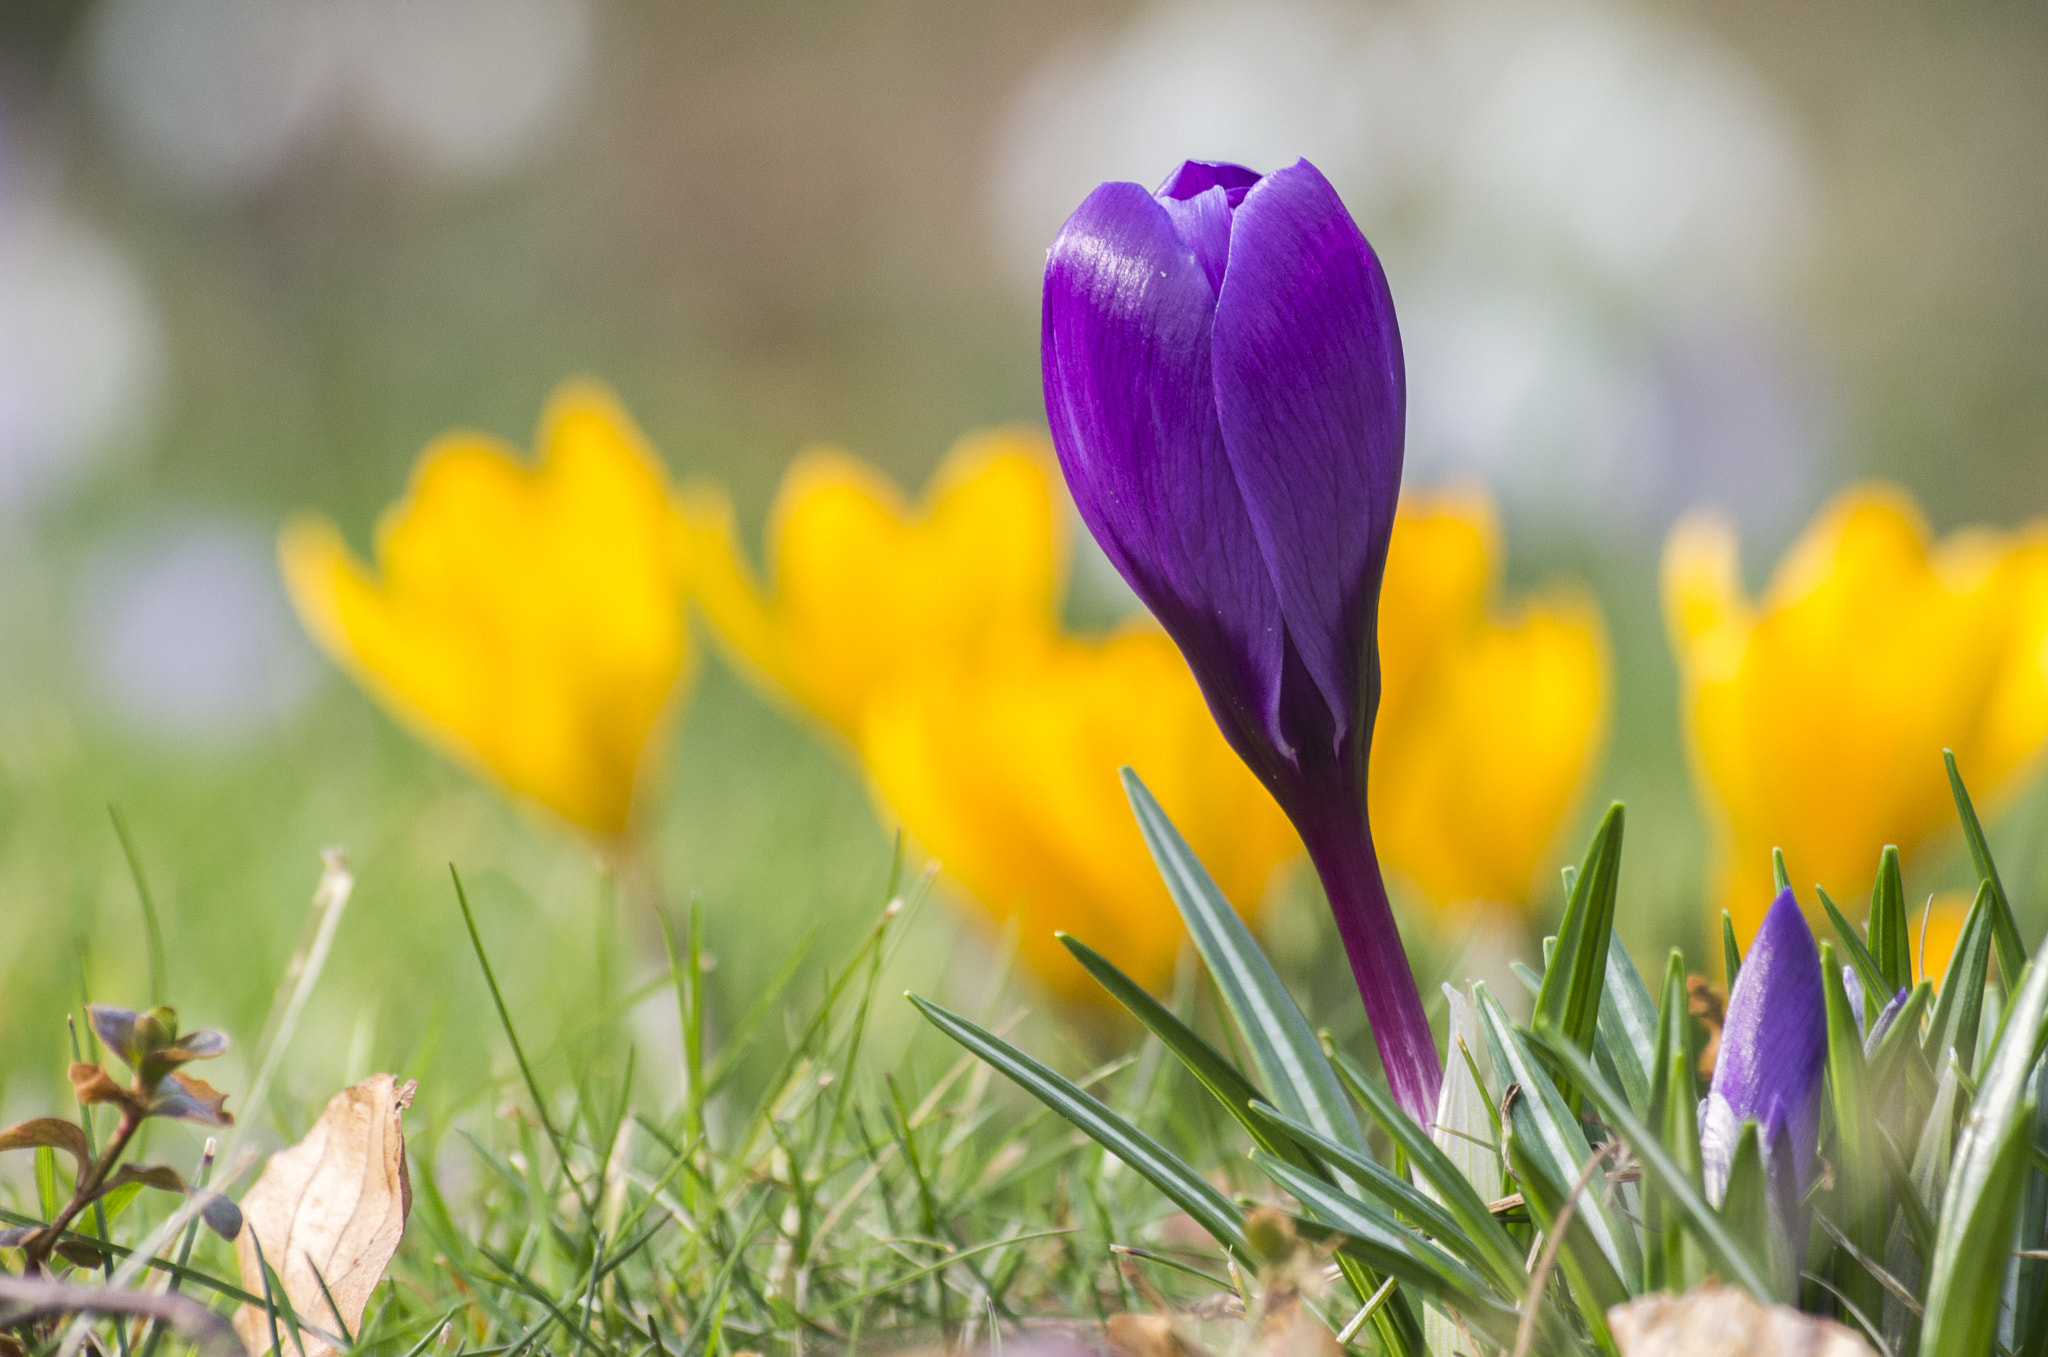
point(335, 1202)
point(1720, 1321)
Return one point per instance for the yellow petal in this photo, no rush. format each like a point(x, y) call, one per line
point(866, 587)
point(1816, 720)
point(1488, 728)
point(527, 619)
point(1007, 773)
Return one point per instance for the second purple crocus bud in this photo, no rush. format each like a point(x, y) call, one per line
point(1772, 1063)
point(1224, 381)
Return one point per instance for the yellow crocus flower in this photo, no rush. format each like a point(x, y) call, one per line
point(528, 620)
point(1490, 723)
point(867, 587)
point(1007, 772)
point(1816, 717)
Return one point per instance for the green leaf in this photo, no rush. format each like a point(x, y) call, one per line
point(1731, 955)
point(2012, 954)
point(1592, 1283)
point(1867, 969)
point(1625, 1040)
point(1491, 1252)
point(1859, 1169)
point(1959, 1008)
point(1551, 1139)
point(1154, 1162)
point(1890, 941)
point(1435, 1167)
point(1290, 1061)
point(1746, 1211)
point(1671, 1261)
point(1383, 1244)
point(1987, 1177)
point(48, 1196)
point(1576, 975)
point(1724, 1252)
point(1205, 1062)
point(1781, 880)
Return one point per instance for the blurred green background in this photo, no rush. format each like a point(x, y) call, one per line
point(255, 253)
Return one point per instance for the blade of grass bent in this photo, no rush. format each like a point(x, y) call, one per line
point(1154, 1162)
point(1428, 1159)
point(1204, 1061)
point(1298, 1077)
point(1390, 1249)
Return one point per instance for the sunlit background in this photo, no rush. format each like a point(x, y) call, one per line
point(255, 253)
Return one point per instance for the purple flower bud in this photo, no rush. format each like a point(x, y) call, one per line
point(1774, 1049)
point(1224, 381)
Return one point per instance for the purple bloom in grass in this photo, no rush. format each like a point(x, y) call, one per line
point(1224, 382)
point(1774, 1050)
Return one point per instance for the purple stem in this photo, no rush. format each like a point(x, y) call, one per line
point(1340, 846)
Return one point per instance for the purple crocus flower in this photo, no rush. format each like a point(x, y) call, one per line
point(1224, 381)
point(1774, 1049)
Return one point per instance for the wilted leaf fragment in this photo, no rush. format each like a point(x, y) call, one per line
point(1719, 1321)
point(54, 1132)
point(331, 1208)
point(186, 1097)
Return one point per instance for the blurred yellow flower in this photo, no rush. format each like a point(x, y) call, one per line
point(526, 619)
point(1007, 772)
point(1489, 725)
point(1816, 718)
point(866, 587)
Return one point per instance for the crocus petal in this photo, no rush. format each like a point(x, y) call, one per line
point(1886, 1016)
point(1852, 989)
point(1203, 225)
point(1195, 177)
point(1125, 347)
point(1310, 393)
point(1774, 1039)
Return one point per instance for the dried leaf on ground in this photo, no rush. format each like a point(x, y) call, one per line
point(331, 1208)
point(1719, 1321)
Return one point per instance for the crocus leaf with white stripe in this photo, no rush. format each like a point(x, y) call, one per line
point(1986, 1185)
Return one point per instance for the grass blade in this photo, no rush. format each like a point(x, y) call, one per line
point(1388, 1248)
point(1576, 974)
point(2012, 954)
point(1981, 1207)
point(1297, 1075)
point(1427, 1159)
point(1890, 942)
point(1724, 1253)
point(1877, 986)
point(1205, 1062)
point(1625, 1040)
point(1154, 1162)
point(1859, 1170)
point(1959, 1007)
point(1550, 1135)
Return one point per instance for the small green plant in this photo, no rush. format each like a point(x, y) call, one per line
point(1895, 1184)
point(154, 1050)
